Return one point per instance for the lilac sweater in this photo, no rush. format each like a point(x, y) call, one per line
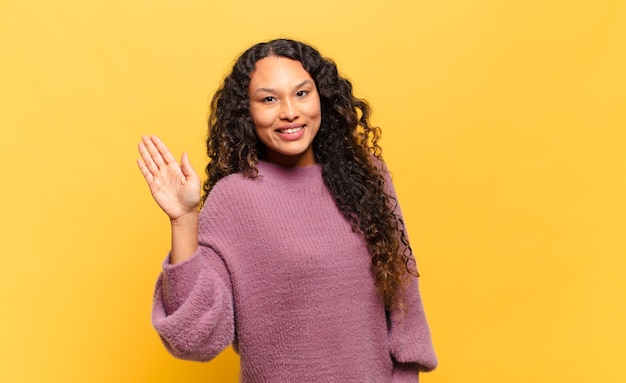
point(280, 274)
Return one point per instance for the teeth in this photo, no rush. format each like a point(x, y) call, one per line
point(290, 130)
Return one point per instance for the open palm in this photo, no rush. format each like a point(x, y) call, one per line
point(175, 187)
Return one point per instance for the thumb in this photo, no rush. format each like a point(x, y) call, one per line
point(186, 167)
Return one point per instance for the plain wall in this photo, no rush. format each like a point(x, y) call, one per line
point(503, 123)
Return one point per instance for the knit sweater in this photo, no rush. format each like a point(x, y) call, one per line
point(280, 274)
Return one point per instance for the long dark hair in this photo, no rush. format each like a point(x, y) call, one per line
point(346, 146)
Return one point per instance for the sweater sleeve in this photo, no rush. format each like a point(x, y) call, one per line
point(410, 342)
point(193, 306)
point(409, 338)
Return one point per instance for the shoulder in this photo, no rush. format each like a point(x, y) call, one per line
point(231, 182)
point(379, 164)
point(226, 206)
point(381, 167)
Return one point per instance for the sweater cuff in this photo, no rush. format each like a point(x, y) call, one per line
point(177, 281)
point(405, 372)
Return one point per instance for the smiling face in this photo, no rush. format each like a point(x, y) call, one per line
point(285, 108)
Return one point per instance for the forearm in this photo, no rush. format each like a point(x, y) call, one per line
point(193, 306)
point(184, 237)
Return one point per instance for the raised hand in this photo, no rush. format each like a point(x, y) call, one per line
point(175, 187)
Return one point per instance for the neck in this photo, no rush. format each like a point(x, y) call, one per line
point(301, 160)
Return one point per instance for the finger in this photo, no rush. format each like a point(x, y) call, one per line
point(147, 159)
point(144, 170)
point(154, 153)
point(163, 150)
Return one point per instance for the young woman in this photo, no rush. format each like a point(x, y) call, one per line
point(298, 256)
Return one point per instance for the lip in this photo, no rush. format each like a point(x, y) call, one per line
point(290, 136)
point(289, 126)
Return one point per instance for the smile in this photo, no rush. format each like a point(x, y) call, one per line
point(290, 130)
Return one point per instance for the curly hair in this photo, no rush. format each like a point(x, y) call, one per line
point(346, 146)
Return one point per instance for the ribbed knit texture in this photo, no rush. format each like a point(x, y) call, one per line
point(280, 274)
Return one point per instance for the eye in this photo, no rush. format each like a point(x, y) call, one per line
point(269, 99)
point(302, 93)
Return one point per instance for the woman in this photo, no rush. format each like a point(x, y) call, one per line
point(298, 256)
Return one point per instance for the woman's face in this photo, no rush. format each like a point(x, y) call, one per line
point(285, 108)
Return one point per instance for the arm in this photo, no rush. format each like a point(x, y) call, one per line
point(193, 308)
point(176, 189)
point(410, 340)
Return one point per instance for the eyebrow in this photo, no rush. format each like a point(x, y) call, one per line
point(270, 90)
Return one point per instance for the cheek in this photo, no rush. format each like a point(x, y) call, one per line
point(313, 110)
point(261, 128)
point(259, 132)
point(260, 118)
point(254, 115)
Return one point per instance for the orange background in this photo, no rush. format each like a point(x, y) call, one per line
point(503, 123)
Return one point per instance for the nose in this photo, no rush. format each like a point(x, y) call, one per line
point(289, 110)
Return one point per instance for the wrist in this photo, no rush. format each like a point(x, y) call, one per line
point(184, 237)
point(186, 220)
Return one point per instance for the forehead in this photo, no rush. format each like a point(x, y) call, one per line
point(275, 71)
